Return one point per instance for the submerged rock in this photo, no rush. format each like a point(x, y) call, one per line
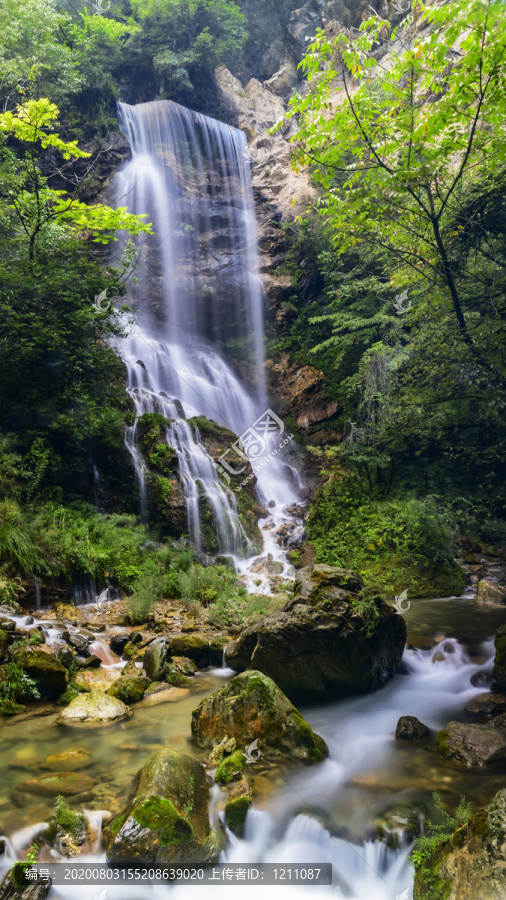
point(470, 865)
point(54, 783)
point(94, 709)
point(68, 760)
point(472, 745)
point(166, 819)
point(400, 824)
point(487, 706)
point(316, 647)
point(409, 728)
point(252, 708)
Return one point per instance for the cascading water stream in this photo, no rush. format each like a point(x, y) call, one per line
point(198, 347)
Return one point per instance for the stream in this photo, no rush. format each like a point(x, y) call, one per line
point(319, 814)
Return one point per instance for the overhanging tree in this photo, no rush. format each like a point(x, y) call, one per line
point(395, 141)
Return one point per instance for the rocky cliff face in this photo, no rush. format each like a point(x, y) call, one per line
point(279, 31)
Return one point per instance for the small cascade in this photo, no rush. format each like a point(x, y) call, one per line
point(37, 595)
point(198, 345)
point(104, 653)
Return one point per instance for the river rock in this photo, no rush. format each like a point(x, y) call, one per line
point(237, 807)
point(409, 728)
point(66, 783)
point(166, 820)
point(194, 646)
point(473, 745)
point(94, 709)
point(163, 694)
point(97, 679)
point(51, 676)
point(252, 708)
point(131, 685)
point(471, 864)
point(482, 679)
point(487, 706)
point(155, 659)
point(400, 824)
point(500, 657)
point(490, 592)
point(316, 647)
point(16, 887)
point(230, 767)
point(68, 760)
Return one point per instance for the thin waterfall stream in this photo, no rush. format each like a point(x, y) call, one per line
point(198, 346)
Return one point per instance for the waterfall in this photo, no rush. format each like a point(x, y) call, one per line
point(198, 345)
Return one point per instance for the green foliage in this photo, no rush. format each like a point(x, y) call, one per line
point(181, 42)
point(36, 205)
point(425, 855)
point(68, 820)
point(391, 146)
point(15, 685)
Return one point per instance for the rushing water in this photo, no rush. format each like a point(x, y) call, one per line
point(198, 346)
point(323, 813)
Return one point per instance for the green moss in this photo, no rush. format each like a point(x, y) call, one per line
point(442, 742)
point(236, 812)
point(160, 815)
point(9, 707)
point(117, 824)
point(176, 679)
point(315, 745)
point(230, 766)
point(69, 820)
point(70, 693)
point(129, 690)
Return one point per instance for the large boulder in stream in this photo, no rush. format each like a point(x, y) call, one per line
point(166, 820)
point(471, 864)
point(474, 746)
point(95, 708)
point(321, 644)
point(132, 684)
point(252, 708)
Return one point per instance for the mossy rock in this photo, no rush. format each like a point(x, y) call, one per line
point(131, 685)
point(472, 745)
point(251, 707)
point(193, 646)
point(94, 709)
point(237, 807)
point(166, 820)
point(470, 865)
point(230, 767)
point(317, 647)
point(16, 886)
point(51, 677)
